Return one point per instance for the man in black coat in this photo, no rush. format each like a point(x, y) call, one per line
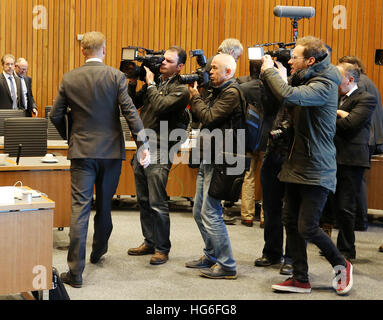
point(27, 99)
point(354, 113)
point(95, 93)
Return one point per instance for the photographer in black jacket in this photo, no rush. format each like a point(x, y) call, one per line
point(162, 104)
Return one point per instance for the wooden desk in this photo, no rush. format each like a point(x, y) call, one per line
point(374, 180)
point(26, 239)
point(181, 181)
point(53, 179)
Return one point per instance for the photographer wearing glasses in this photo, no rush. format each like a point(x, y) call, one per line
point(310, 170)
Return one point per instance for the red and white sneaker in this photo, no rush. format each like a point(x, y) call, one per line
point(293, 285)
point(343, 281)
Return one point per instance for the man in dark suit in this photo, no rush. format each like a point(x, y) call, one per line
point(355, 110)
point(27, 99)
point(376, 135)
point(94, 93)
point(10, 86)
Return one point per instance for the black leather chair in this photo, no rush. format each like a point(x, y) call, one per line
point(53, 134)
point(125, 129)
point(31, 133)
point(9, 113)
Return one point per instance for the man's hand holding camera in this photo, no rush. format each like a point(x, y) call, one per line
point(193, 89)
point(269, 63)
point(149, 76)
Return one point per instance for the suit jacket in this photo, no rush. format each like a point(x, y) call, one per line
point(353, 132)
point(31, 100)
point(5, 93)
point(93, 92)
point(376, 131)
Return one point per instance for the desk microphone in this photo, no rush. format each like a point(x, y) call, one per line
point(18, 154)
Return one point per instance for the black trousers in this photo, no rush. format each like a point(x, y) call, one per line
point(301, 215)
point(87, 174)
point(273, 192)
point(349, 184)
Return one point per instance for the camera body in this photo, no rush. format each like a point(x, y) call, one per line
point(281, 131)
point(200, 75)
point(148, 58)
point(282, 54)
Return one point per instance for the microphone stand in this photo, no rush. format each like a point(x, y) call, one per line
point(294, 23)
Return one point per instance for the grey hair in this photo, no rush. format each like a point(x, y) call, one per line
point(231, 46)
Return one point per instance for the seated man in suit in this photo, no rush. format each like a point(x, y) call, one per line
point(354, 113)
point(28, 101)
point(10, 86)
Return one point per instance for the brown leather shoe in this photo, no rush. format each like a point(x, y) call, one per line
point(247, 223)
point(159, 258)
point(141, 250)
point(327, 228)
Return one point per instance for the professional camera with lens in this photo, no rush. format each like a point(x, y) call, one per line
point(282, 53)
point(281, 131)
point(200, 75)
point(148, 58)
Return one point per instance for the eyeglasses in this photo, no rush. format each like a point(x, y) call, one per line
point(295, 57)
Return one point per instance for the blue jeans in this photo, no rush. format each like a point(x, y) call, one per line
point(153, 204)
point(207, 213)
point(273, 192)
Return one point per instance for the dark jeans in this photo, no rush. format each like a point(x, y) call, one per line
point(303, 209)
point(273, 192)
point(103, 174)
point(153, 204)
point(349, 183)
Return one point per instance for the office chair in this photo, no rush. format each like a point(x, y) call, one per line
point(9, 113)
point(31, 133)
point(53, 134)
point(125, 129)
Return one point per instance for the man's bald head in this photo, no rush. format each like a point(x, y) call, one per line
point(223, 68)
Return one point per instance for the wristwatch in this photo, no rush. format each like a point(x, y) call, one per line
point(151, 84)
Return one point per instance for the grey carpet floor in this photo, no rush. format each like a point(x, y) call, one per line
point(122, 277)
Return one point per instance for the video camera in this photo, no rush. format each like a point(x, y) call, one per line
point(148, 58)
point(283, 54)
point(200, 75)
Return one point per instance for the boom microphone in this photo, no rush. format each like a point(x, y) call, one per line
point(294, 12)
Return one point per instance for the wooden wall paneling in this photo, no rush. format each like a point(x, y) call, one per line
point(161, 20)
point(370, 58)
point(247, 28)
point(192, 24)
point(378, 43)
point(335, 34)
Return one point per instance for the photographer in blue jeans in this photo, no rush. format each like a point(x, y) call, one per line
point(219, 110)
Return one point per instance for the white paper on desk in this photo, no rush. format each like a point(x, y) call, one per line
point(7, 195)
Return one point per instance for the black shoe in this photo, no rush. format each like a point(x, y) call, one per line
point(265, 262)
point(361, 227)
point(67, 278)
point(381, 248)
point(216, 272)
point(349, 256)
point(95, 257)
point(286, 269)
